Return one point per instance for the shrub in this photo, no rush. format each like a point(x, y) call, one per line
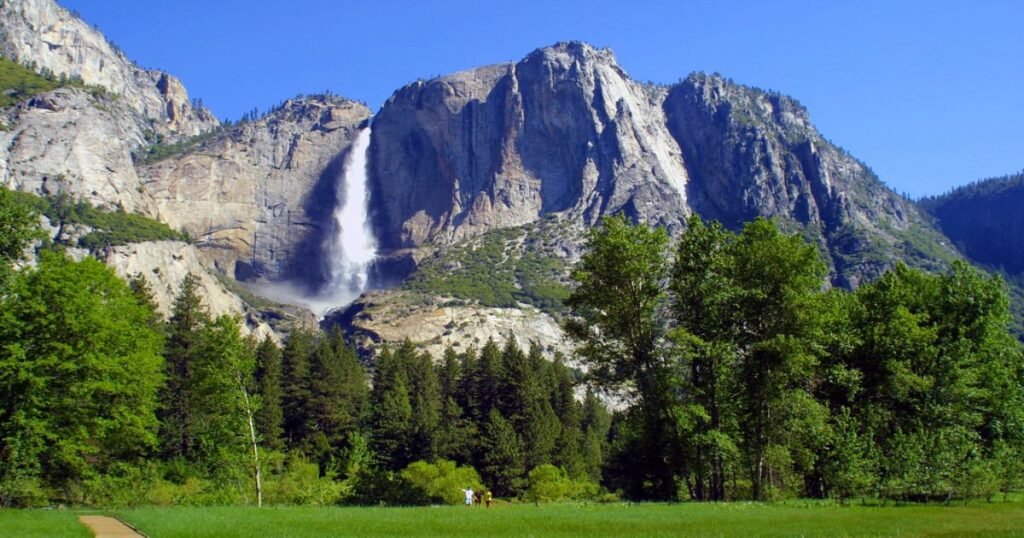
point(441, 482)
point(301, 484)
point(550, 483)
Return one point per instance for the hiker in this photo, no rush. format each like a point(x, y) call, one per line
point(469, 496)
point(488, 498)
point(476, 498)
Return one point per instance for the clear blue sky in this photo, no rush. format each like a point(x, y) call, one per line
point(928, 93)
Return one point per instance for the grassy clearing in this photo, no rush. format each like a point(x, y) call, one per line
point(727, 519)
point(41, 523)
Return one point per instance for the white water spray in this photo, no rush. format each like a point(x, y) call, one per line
point(352, 246)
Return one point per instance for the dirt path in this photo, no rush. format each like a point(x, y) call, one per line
point(108, 527)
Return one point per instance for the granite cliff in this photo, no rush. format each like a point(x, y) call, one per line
point(44, 34)
point(566, 131)
point(257, 196)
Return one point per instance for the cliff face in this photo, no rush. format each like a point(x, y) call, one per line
point(258, 196)
point(41, 33)
point(754, 154)
point(71, 141)
point(567, 131)
point(564, 130)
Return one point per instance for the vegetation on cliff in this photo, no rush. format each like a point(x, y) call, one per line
point(106, 227)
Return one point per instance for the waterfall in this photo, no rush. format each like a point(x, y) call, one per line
point(351, 247)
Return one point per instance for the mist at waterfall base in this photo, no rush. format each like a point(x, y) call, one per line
point(349, 248)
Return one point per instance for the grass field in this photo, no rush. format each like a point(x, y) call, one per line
point(41, 523)
point(729, 519)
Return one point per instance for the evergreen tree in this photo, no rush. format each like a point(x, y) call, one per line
point(501, 459)
point(454, 432)
point(295, 387)
point(391, 418)
point(143, 293)
point(337, 398)
point(570, 444)
point(425, 399)
point(595, 424)
point(188, 317)
point(270, 417)
point(485, 385)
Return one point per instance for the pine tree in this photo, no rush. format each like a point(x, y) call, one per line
point(425, 399)
point(392, 414)
point(144, 295)
point(570, 444)
point(188, 317)
point(595, 423)
point(270, 418)
point(295, 387)
point(337, 399)
point(501, 459)
point(454, 433)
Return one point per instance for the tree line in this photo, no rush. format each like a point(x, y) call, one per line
point(747, 378)
point(734, 372)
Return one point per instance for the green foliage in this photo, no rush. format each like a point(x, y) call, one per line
point(501, 268)
point(441, 482)
point(300, 483)
point(110, 228)
point(18, 83)
point(270, 417)
point(160, 149)
point(18, 226)
point(79, 372)
point(549, 483)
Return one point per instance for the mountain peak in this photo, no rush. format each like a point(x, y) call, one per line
point(578, 51)
point(43, 34)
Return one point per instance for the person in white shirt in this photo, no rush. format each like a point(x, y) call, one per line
point(469, 496)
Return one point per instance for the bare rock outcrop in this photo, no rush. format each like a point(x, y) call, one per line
point(563, 131)
point(257, 196)
point(436, 323)
point(566, 131)
point(70, 141)
point(44, 34)
point(752, 153)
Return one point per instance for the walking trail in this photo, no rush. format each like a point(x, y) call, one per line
point(108, 527)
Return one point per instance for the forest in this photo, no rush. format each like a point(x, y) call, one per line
point(718, 367)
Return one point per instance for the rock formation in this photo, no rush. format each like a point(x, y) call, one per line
point(49, 37)
point(566, 131)
point(258, 196)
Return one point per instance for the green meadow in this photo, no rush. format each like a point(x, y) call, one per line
point(704, 519)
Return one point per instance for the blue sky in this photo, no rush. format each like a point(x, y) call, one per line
point(929, 94)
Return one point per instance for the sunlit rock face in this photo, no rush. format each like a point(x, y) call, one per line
point(260, 197)
point(49, 37)
point(564, 130)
